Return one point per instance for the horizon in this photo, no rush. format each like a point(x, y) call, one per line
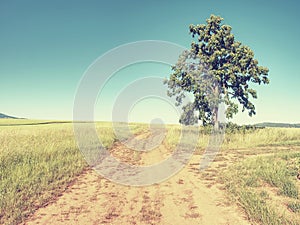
point(47, 48)
point(109, 121)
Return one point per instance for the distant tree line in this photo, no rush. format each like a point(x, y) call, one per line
point(231, 128)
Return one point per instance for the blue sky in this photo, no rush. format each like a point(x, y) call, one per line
point(46, 46)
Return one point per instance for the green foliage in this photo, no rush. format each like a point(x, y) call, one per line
point(235, 128)
point(188, 117)
point(217, 69)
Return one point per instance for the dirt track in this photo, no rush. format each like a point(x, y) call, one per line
point(189, 197)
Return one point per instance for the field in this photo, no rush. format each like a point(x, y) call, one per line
point(45, 179)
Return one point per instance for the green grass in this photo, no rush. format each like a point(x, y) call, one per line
point(294, 206)
point(258, 210)
point(259, 183)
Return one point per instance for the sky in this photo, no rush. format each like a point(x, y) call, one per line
point(46, 47)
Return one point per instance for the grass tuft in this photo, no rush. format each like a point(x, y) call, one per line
point(294, 206)
point(251, 181)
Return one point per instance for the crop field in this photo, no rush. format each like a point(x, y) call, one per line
point(254, 176)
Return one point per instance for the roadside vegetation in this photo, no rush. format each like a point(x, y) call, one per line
point(267, 187)
point(239, 137)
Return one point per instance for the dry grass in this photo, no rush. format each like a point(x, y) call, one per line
point(267, 188)
point(37, 162)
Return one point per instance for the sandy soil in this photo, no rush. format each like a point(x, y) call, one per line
point(189, 197)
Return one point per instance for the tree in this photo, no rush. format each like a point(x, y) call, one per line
point(188, 116)
point(217, 69)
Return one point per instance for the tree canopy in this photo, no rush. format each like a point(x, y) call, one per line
point(217, 69)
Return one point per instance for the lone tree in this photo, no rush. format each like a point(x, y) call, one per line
point(217, 69)
point(188, 116)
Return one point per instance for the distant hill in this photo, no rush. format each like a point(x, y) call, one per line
point(268, 124)
point(3, 116)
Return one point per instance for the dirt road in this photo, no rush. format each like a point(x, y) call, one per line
point(189, 197)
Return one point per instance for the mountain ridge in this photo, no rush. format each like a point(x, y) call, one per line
point(4, 116)
point(273, 124)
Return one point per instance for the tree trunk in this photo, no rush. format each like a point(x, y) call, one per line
point(215, 118)
point(216, 106)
